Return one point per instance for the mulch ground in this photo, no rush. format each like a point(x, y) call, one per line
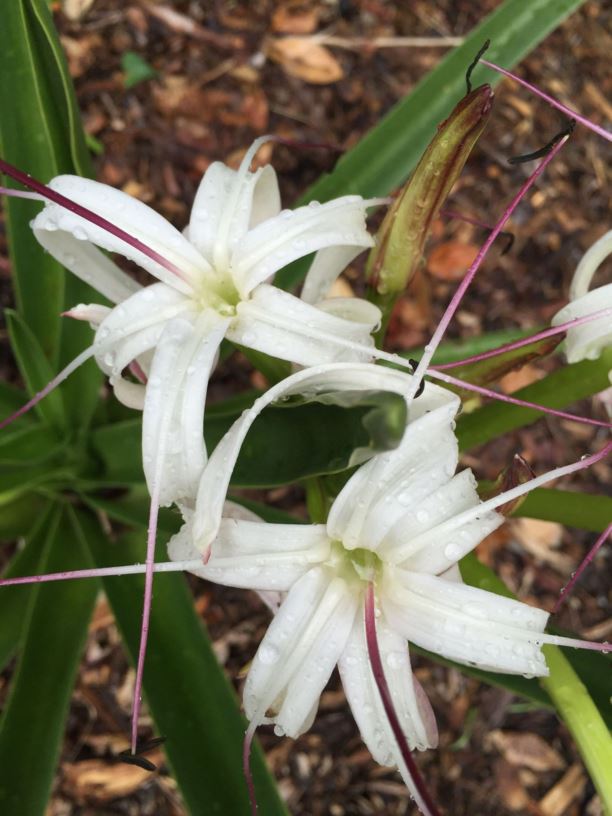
point(225, 74)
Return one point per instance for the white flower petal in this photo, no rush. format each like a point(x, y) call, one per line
point(382, 490)
point(363, 696)
point(437, 553)
point(172, 428)
point(93, 313)
point(333, 377)
point(590, 262)
point(255, 555)
point(279, 324)
point(242, 201)
point(587, 341)
point(295, 233)
point(299, 651)
point(136, 218)
point(135, 326)
point(465, 624)
point(86, 262)
point(327, 265)
point(130, 394)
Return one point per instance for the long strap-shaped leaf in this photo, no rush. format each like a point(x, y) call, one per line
point(33, 722)
point(384, 158)
point(190, 699)
point(40, 132)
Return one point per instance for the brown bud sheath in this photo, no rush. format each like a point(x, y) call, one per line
point(402, 234)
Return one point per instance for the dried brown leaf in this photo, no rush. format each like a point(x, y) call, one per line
point(449, 261)
point(527, 750)
point(303, 58)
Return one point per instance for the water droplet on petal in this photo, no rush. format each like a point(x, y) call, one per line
point(267, 654)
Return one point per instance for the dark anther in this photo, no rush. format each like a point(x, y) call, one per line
point(135, 758)
point(473, 64)
point(544, 151)
point(413, 367)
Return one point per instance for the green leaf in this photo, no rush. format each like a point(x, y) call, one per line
point(35, 369)
point(18, 513)
point(54, 633)
point(191, 701)
point(285, 444)
point(583, 510)
point(14, 600)
point(40, 132)
point(386, 155)
point(487, 371)
point(557, 390)
point(29, 446)
point(135, 69)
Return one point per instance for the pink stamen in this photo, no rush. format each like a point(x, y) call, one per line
point(138, 371)
point(551, 100)
point(433, 344)
point(487, 392)
point(146, 610)
point(102, 572)
point(422, 795)
point(525, 341)
point(10, 192)
point(585, 563)
point(246, 766)
point(51, 385)
point(50, 194)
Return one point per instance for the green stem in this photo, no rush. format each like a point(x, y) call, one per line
point(584, 721)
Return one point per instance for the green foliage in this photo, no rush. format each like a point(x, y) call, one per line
point(57, 463)
point(136, 69)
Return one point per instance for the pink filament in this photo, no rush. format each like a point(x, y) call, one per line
point(50, 386)
point(87, 214)
point(146, 611)
point(246, 766)
point(426, 803)
point(585, 563)
point(433, 344)
point(525, 341)
point(487, 392)
point(551, 100)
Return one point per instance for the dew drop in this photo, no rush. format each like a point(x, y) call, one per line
point(267, 654)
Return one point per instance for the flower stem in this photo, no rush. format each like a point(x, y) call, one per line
point(584, 721)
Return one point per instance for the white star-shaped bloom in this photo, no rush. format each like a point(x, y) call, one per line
point(402, 522)
point(213, 283)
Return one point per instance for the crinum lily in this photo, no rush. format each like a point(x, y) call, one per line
point(398, 529)
point(587, 340)
point(213, 283)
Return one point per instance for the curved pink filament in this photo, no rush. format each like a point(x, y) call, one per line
point(551, 100)
point(525, 341)
point(425, 801)
point(452, 307)
point(50, 194)
point(487, 392)
point(246, 766)
point(585, 563)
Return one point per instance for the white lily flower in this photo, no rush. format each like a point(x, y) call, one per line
point(402, 522)
point(587, 340)
point(213, 282)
